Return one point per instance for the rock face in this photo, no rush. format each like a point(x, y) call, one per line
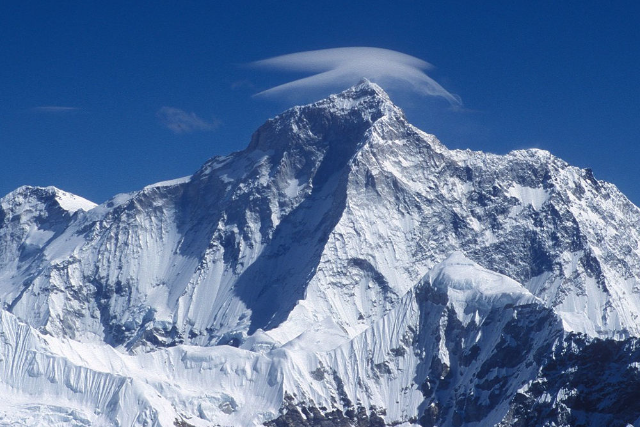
point(344, 269)
point(582, 382)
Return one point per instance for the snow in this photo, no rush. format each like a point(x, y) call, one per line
point(469, 285)
point(73, 203)
point(71, 379)
point(170, 183)
point(535, 197)
point(293, 188)
point(67, 381)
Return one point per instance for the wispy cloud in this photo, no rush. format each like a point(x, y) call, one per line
point(179, 121)
point(346, 66)
point(54, 109)
point(240, 84)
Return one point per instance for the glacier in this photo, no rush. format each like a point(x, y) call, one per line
point(345, 269)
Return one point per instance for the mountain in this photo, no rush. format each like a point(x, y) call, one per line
point(344, 269)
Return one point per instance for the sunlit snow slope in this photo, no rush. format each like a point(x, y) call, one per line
point(345, 268)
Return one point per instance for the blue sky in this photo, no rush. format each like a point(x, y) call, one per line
point(90, 92)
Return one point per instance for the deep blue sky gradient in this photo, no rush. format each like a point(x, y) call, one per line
point(561, 76)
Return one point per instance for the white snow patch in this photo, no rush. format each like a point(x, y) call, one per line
point(37, 237)
point(72, 203)
point(535, 197)
point(293, 188)
point(170, 182)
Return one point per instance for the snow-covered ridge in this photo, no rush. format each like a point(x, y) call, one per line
point(73, 203)
point(469, 285)
point(73, 383)
point(170, 182)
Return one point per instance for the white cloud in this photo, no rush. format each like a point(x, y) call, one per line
point(54, 109)
point(346, 66)
point(179, 121)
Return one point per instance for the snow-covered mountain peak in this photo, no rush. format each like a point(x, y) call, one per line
point(338, 119)
point(472, 290)
point(364, 89)
point(28, 197)
point(30, 218)
point(366, 97)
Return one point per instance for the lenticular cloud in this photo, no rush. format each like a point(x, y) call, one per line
point(347, 65)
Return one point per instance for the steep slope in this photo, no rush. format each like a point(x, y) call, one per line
point(465, 347)
point(453, 351)
point(582, 382)
point(50, 381)
point(32, 221)
point(455, 339)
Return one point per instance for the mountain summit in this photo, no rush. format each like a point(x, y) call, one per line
point(344, 269)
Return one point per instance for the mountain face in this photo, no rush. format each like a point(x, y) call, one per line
point(345, 269)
